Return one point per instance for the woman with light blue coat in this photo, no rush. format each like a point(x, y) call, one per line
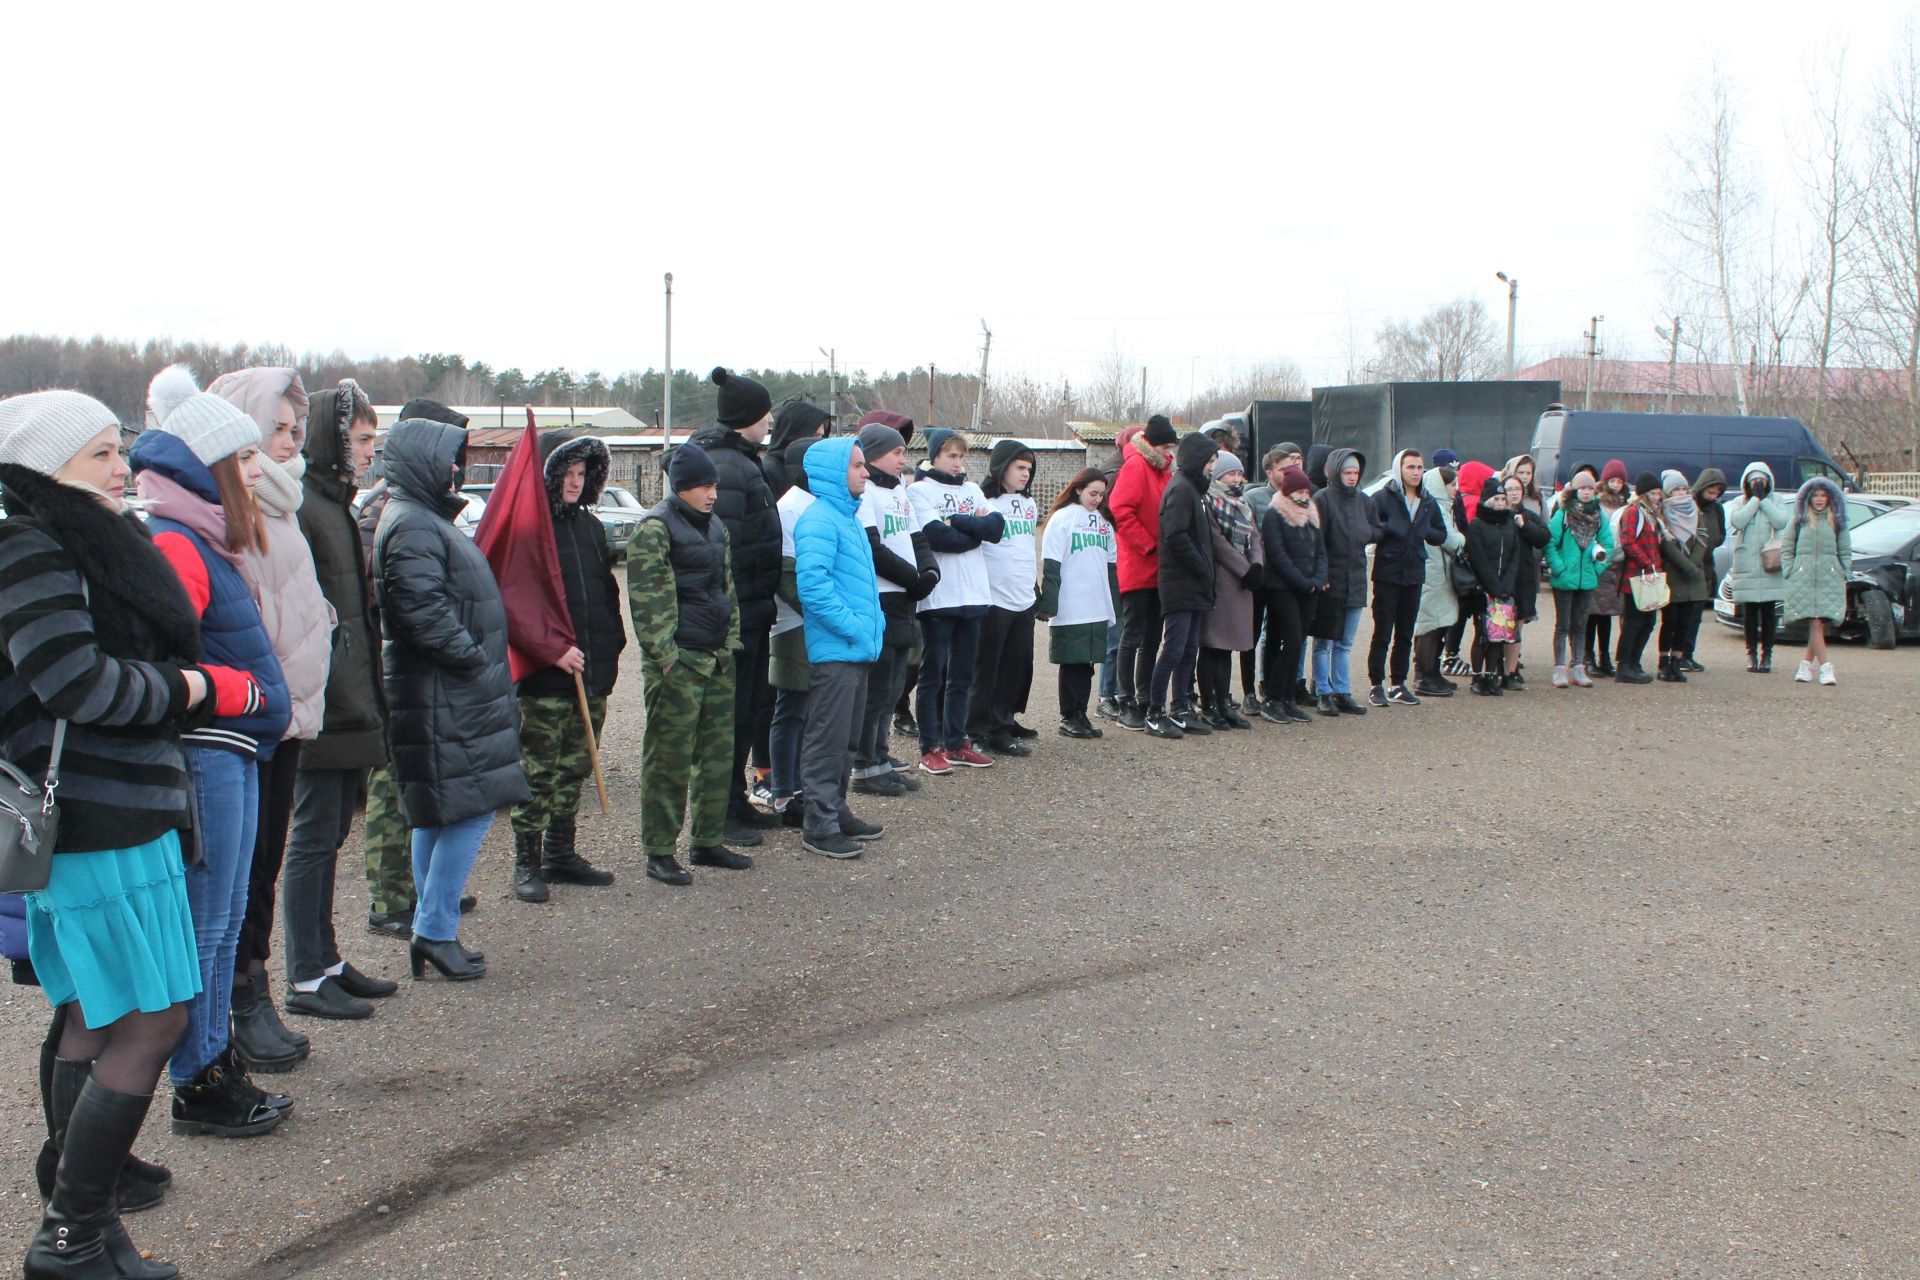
point(1758, 516)
point(1439, 604)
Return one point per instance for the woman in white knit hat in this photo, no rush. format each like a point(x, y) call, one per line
point(99, 643)
point(196, 474)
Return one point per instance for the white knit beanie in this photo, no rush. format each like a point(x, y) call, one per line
point(43, 430)
point(212, 427)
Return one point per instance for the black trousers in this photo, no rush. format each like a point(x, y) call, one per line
point(1002, 673)
point(1076, 687)
point(269, 851)
point(1249, 687)
point(1215, 673)
point(752, 711)
point(1600, 635)
point(1287, 614)
point(1761, 620)
point(1396, 607)
point(1140, 628)
point(1680, 626)
point(1636, 628)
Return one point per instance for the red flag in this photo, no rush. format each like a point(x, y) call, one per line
point(516, 536)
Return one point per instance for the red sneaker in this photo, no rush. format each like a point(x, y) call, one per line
point(935, 763)
point(967, 756)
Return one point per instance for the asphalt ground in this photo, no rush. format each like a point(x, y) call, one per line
point(1609, 983)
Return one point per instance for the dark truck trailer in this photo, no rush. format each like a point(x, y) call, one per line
point(1487, 421)
point(1269, 422)
point(1689, 442)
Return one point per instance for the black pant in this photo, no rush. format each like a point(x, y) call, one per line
point(1003, 672)
point(887, 674)
point(1179, 650)
point(1215, 671)
point(1458, 629)
point(1287, 613)
point(1679, 625)
point(323, 805)
point(1760, 619)
point(752, 711)
point(1600, 635)
point(1140, 626)
point(949, 642)
point(1636, 628)
point(1076, 687)
point(269, 851)
point(1396, 607)
point(1248, 685)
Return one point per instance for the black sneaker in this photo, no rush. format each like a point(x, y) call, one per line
point(391, 924)
point(668, 871)
point(880, 784)
point(1296, 713)
point(1163, 726)
point(1005, 745)
point(860, 829)
point(1132, 717)
point(1401, 696)
point(1187, 720)
point(1688, 664)
point(906, 726)
point(904, 775)
point(1018, 730)
point(1347, 706)
point(831, 845)
point(1271, 710)
point(1377, 695)
point(1109, 709)
point(210, 1107)
point(1325, 705)
point(741, 834)
point(1431, 686)
point(718, 855)
point(1077, 727)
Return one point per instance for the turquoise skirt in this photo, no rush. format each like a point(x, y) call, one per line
point(112, 930)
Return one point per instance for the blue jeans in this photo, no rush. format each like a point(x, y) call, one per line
point(783, 755)
point(949, 643)
point(1110, 669)
point(1330, 656)
point(443, 857)
point(226, 788)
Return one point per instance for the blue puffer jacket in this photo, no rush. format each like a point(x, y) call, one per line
point(231, 631)
point(832, 564)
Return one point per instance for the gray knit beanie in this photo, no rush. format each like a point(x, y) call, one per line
point(212, 427)
point(43, 430)
point(1671, 479)
point(1224, 464)
point(877, 440)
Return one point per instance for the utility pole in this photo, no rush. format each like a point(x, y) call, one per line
point(1143, 391)
point(666, 384)
point(828, 353)
point(980, 398)
point(1673, 357)
point(1592, 336)
point(932, 371)
point(1513, 307)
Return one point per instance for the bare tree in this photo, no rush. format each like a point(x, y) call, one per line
point(1832, 197)
point(1263, 380)
point(1713, 200)
point(1891, 259)
point(1451, 343)
point(1114, 395)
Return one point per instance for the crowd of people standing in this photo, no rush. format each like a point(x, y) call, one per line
point(229, 666)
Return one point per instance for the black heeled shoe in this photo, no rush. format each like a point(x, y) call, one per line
point(452, 960)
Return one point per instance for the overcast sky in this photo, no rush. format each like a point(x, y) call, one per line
point(1195, 184)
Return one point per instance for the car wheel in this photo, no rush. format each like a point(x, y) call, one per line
point(1878, 612)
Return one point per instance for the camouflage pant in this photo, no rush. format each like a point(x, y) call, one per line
point(688, 747)
point(553, 755)
point(389, 846)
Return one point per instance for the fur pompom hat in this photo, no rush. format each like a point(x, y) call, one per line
point(212, 427)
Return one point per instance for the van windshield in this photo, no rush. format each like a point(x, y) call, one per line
point(1811, 467)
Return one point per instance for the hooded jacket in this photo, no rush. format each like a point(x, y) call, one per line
point(586, 570)
point(1350, 525)
point(1494, 551)
point(797, 420)
point(1468, 481)
point(1754, 522)
point(745, 507)
point(1317, 455)
point(1186, 530)
point(455, 728)
point(1012, 565)
point(1134, 501)
point(833, 565)
point(1400, 557)
point(190, 529)
point(1439, 605)
point(353, 733)
point(1816, 555)
point(1713, 514)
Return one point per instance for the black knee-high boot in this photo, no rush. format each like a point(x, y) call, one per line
point(81, 1237)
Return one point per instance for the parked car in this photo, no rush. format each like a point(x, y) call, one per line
point(466, 521)
point(1883, 585)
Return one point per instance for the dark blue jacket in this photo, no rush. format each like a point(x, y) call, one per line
point(1400, 557)
point(231, 632)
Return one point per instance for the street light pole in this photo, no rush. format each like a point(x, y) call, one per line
point(828, 353)
point(1513, 307)
point(1673, 356)
point(666, 396)
point(1593, 356)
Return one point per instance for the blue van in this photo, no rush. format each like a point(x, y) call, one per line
point(1690, 442)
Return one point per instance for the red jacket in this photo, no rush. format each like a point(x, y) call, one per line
point(1639, 543)
point(1135, 503)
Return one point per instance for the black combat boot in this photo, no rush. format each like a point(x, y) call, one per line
point(560, 863)
point(528, 885)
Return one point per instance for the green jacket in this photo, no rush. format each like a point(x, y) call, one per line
point(1815, 559)
point(1573, 568)
point(1754, 523)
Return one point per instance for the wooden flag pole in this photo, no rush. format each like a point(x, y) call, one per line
point(593, 748)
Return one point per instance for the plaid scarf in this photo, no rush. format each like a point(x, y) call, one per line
point(1231, 515)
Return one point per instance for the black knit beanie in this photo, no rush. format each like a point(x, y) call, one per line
point(1646, 482)
point(690, 468)
point(1159, 431)
point(742, 401)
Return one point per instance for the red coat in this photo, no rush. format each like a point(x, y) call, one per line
point(1135, 503)
point(1639, 543)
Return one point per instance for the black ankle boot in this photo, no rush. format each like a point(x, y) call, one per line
point(81, 1237)
point(528, 886)
point(208, 1106)
point(253, 1032)
point(561, 863)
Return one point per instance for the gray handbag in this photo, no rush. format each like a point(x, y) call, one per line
point(29, 822)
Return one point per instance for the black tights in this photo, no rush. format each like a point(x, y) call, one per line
point(1216, 675)
point(1076, 687)
point(127, 1054)
point(1761, 619)
point(1600, 635)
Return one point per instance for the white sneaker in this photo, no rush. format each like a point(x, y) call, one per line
point(1826, 673)
point(1559, 680)
point(1803, 674)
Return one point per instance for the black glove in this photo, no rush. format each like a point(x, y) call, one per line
point(920, 590)
point(1253, 578)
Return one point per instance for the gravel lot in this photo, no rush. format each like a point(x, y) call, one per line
point(1617, 983)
